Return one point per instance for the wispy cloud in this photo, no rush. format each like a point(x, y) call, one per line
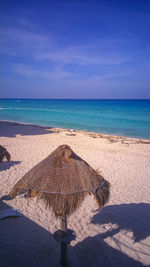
point(81, 57)
point(75, 46)
point(35, 73)
point(22, 40)
point(43, 56)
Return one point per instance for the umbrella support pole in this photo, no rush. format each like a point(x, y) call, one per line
point(63, 224)
point(64, 236)
point(63, 228)
point(63, 260)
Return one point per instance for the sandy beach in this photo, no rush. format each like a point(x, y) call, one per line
point(119, 235)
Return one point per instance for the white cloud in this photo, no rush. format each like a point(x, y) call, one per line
point(43, 57)
point(97, 52)
point(33, 73)
point(21, 41)
point(80, 58)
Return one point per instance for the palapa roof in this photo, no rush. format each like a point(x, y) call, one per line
point(4, 153)
point(63, 180)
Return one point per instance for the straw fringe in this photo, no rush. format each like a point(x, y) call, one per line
point(4, 153)
point(63, 180)
point(63, 205)
point(102, 195)
point(18, 188)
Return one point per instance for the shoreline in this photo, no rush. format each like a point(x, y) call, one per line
point(86, 132)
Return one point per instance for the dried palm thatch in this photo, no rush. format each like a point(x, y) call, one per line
point(4, 153)
point(63, 180)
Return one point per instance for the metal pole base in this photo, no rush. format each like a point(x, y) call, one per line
point(64, 239)
point(64, 261)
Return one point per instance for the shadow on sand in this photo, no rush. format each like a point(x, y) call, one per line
point(127, 217)
point(26, 244)
point(11, 129)
point(95, 252)
point(5, 165)
point(134, 217)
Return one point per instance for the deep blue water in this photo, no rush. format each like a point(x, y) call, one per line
point(119, 117)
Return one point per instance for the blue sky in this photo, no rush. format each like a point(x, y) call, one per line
point(75, 49)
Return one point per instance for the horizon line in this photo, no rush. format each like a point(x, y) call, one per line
point(27, 98)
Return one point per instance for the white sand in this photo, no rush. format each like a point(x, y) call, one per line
point(117, 236)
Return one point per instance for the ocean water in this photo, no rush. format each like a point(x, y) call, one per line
point(119, 117)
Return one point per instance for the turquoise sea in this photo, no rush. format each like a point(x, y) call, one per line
point(119, 117)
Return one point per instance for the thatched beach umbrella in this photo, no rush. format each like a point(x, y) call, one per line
point(4, 153)
point(63, 180)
